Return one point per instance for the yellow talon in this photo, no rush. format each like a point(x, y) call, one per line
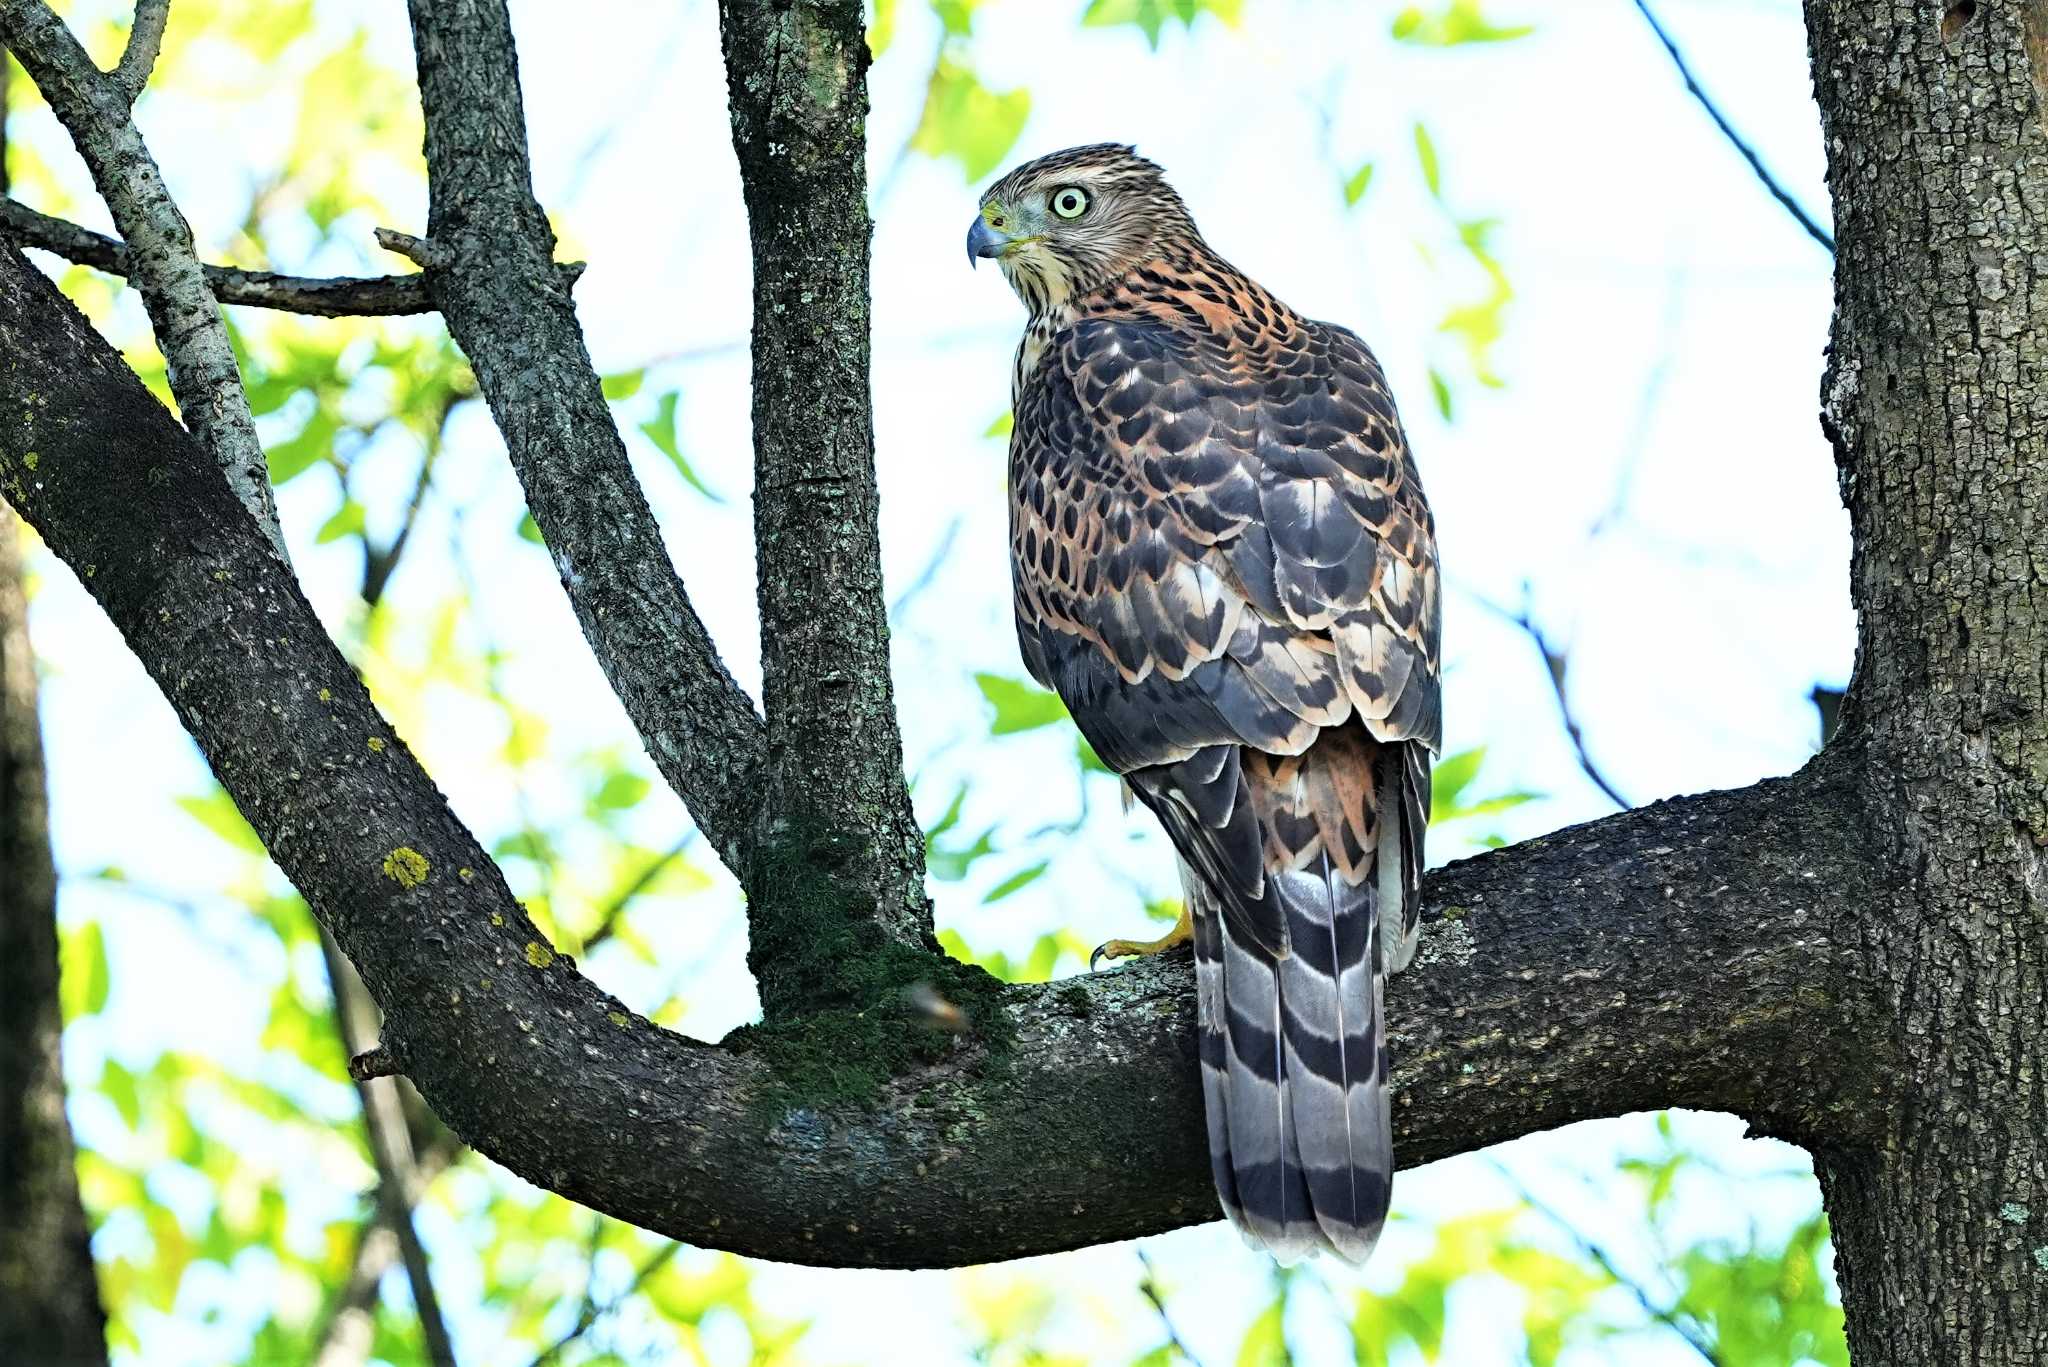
point(1182, 932)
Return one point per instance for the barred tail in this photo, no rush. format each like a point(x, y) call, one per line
point(1294, 1065)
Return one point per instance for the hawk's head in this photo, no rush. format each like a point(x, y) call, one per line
point(1068, 222)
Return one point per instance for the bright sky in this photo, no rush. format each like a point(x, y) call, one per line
point(1665, 340)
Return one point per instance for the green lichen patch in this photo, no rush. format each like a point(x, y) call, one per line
point(376, 745)
point(2041, 1257)
point(2013, 1213)
point(406, 867)
point(32, 459)
point(618, 1018)
point(538, 954)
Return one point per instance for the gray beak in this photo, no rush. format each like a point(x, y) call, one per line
point(983, 240)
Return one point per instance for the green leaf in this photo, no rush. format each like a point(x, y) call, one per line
point(1452, 775)
point(1265, 1342)
point(1019, 706)
point(1151, 16)
point(83, 978)
point(290, 459)
point(1425, 155)
point(966, 122)
point(529, 530)
point(661, 430)
point(1021, 879)
point(621, 788)
point(882, 28)
point(1460, 21)
point(1002, 426)
point(216, 811)
point(118, 1085)
point(348, 520)
point(1441, 388)
point(1355, 186)
point(625, 384)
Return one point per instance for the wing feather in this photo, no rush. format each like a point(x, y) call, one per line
point(1225, 567)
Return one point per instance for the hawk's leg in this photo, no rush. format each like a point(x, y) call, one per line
point(1182, 932)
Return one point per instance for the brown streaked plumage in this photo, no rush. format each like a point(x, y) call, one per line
point(1224, 564)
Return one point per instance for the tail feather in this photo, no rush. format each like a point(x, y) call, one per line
point(1292, 1073)
point(1302, 875)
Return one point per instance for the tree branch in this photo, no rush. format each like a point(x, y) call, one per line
point(797, 74)
point(390, 1142)
point(145, 40)
point(94, 109)
point(49, 1299)
point(1701, 952)
point(1735, 139)
point(491, 272)
point(334, 297)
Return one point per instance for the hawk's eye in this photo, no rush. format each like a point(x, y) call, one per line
point(1070, 202)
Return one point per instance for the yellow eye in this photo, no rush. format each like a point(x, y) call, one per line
point(1070, 201)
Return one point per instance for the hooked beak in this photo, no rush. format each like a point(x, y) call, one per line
point(983, 240)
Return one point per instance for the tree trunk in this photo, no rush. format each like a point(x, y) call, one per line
point(1938, 159)
point(49, 1300)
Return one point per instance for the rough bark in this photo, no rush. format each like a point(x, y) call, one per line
point(1562, 983)
point(1935, 399)
point(94, 107)
point(797, 75)
point(49, 1299)
point(489, 254)
point(1934, 396)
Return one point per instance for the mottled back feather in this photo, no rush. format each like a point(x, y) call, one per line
point(1224, 564)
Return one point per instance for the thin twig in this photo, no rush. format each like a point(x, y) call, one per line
point(1557, 663)
point(347, 1332)
point(615, 910)
point(145, 41)
point(384, 296)
point(1668, 1316)
point(1149, 1288)
point(1749, 154)
point(592, 1312)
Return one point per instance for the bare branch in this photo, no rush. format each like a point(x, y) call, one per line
point(1557, 664)
point(797, 77)
point(591, 1312)
point(145, 40)
point(1559, 981)
point(95, 110)
point(1668, 1316)
point(1749, 153)
point(390, 1146)
point(334, 297)
point(491, 272)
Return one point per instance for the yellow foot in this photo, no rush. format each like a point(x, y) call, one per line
point(1183, 931)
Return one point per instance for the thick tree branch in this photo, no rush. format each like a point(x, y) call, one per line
point(332, 297)
point(797, 75)
point(49, 1297)
point(94, 109)
point(1689, 953)
point(493, 276)
point(1936, 401)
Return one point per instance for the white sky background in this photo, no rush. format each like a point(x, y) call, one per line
point(1666, 337)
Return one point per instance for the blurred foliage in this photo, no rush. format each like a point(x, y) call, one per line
point(234, 1196)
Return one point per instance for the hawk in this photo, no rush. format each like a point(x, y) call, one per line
point(1224, 565)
